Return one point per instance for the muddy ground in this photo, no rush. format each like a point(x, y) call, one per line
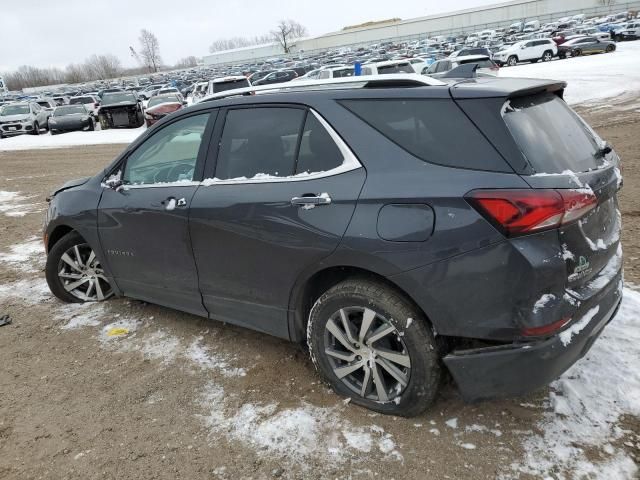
point(181, 397)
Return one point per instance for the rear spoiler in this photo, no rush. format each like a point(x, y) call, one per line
point(501, 87)
point(466, 70)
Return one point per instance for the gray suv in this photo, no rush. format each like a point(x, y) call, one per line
point(400, 226)
point(23, 117)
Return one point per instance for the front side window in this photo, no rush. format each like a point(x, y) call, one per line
point(170, 155)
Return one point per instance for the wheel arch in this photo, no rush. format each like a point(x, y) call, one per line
point(305, 294)
point(56, 234)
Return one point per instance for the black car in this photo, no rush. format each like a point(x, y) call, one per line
point(120, 110)
point(68, 118)
point(585, 46)
point(351, 217)
point(279, 76)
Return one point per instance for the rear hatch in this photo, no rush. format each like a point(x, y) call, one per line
point(566, 154)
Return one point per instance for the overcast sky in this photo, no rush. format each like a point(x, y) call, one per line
point(67, 31)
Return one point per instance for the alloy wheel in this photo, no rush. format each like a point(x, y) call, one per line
point(367, 353)
point(82, 275)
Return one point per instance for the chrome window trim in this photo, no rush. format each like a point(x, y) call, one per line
point(349, 163)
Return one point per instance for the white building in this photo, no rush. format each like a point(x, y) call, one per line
point(471, 20)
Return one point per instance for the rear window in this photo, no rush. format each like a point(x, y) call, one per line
point(81, 100)
point(552, 137)
point(401, 68)
point(434, 130)
point(230, 85)
point(481, 63)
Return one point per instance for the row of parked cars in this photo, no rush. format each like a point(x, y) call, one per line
point(110, 108)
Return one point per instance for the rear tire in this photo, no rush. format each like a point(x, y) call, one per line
point(36, 129)
point(512, 61)
point(403, 365)
point(576, 53)
point(610, 48)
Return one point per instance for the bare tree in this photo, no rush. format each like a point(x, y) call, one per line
point(103, 66)
point(607, 3)
point(150, 50)
point(76, 73)
point(187, 62)
point(286, 32)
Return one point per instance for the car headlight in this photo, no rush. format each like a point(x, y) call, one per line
point(26, 120)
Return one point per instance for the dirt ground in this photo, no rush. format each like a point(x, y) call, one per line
point(180, 397)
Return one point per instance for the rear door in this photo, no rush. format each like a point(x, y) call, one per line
point(566, 153)
point(279, 201)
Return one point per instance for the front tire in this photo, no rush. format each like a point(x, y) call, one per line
point(576, 53)
point(74, 273)
point(36, 129)
point(610, 48)
point(373, 346)
point(547, 56)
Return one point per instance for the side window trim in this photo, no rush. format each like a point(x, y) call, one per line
point(350, 161)
point(200, 162)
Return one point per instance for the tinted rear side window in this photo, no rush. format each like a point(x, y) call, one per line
point(434, 130)
point(318, 151)
point(401, 68)
point(552, 137)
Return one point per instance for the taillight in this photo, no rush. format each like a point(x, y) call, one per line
point(520, 212)
point(545, 329)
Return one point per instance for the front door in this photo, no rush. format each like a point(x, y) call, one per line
point(143, 225)
point(284, 191)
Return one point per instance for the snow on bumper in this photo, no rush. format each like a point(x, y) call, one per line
point(516, 369)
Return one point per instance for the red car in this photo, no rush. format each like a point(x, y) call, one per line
point(162, 105)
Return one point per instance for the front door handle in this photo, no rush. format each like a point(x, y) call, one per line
point(171, 203)
point(311, 200)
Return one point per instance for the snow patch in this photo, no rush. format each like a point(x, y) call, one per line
point(542, 301)
point(11, 203)
point(205, 359)
point(452, 423)
point(577, 327)
point(22, 255)
point(71, 139)
point(586, 404)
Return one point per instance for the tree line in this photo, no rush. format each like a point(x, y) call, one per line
point(96, 67)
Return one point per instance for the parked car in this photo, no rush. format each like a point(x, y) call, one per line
point(69, 118)
point(47, 103)
point(387, 67)
point(486, 66)
point(90, 102)
point(585, 46)
point(366, 262)
point(149, 90)
point(527, 51)
point(223, 84)
point(630, 32)
point(167, 90)
point(593, 32)
point(464, 52)
point(160, 106)
point(336, 72)
point(61, 100)
point(23, 117)
point(279, 76)
point(120, 110)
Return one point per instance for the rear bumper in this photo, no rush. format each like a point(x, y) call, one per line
point(516, 369)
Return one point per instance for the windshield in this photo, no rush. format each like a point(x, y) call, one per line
point(158, 100)
point(551, 136)
point(110, 98)
point(15, 109)
point(69, 110)
point(81, 100)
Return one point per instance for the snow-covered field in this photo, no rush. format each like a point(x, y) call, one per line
point(591, 79)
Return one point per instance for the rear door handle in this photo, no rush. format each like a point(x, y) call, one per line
point(310, 200)
point(171, 203)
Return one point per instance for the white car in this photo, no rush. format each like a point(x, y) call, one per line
point(440, 67)
point(527, 51)
point(90, 102)
point(390, 66)
point(335, 72)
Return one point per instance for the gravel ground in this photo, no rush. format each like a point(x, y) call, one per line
point(182, 397)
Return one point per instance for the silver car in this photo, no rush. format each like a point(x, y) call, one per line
point(23, 117)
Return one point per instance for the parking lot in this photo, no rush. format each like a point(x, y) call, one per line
point(125, 389)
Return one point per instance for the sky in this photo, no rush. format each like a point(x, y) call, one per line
point(54, 34)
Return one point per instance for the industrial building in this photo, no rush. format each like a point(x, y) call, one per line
point(470, 20)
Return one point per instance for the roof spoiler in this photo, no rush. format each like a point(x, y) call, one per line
point(466, 70)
